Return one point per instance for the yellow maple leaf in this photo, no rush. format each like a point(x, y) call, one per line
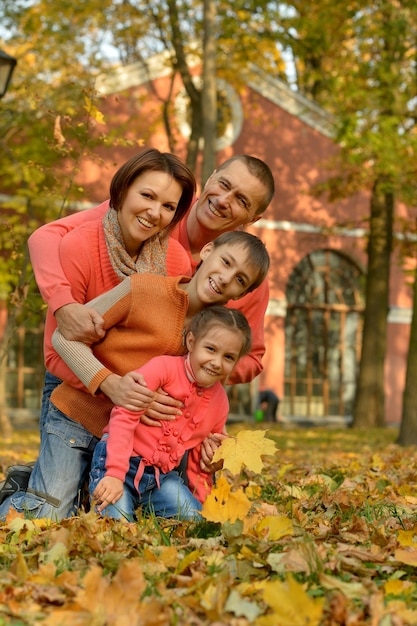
point(291, 604)
point(273, 527)
point(223, 505)
point(246, 448)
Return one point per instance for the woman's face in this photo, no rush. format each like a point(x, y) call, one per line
point(149, 206)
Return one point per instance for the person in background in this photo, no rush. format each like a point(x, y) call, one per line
point(135, 464)
point(268, 403)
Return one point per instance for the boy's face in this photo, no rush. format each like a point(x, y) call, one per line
point(225, 274)
point(214, 355)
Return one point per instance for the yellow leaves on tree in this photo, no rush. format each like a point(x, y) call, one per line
point(246, 448)
point(93, 111)
point(223, 505)
point(291, 604)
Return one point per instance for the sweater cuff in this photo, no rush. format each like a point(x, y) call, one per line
point(94, 385)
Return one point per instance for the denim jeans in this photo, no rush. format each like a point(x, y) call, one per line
point(49, 383)
point(59, 473)
point(172, 499)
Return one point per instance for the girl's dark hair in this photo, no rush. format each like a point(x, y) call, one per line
point(219, 315)
point(257, 253)
point(155, 161)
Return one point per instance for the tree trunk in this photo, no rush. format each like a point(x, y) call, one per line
point(408, 429)
point(209, 95)
point(369, 407)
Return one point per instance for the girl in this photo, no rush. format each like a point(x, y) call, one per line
point(134, 464)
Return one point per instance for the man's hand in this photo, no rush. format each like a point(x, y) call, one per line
point(208, 448)
point(163, 407)
point(108, 491)
point(129, 391)
point(77, 322)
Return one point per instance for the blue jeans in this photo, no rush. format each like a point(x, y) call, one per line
point(59, 473)
point(49, 383)
point(172, 499)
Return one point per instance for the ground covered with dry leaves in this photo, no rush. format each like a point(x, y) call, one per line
point(321, 531)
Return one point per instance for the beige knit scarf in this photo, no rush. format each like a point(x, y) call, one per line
point(151, 257)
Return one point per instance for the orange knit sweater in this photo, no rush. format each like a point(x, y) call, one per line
point(145, 317)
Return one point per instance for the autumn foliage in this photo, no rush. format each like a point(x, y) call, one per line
point(303, 528)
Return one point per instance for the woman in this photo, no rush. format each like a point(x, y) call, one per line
point(149, 195)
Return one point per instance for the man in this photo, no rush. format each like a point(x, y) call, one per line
point(234, 196)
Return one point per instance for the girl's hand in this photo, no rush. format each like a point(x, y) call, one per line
point(163, 407)
point(208, 448)
point(128, 391)
point(108, 491)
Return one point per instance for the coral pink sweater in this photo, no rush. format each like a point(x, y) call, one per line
point(205, 411)
point(87, 269)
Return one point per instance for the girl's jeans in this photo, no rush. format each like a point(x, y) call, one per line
point(172, 499)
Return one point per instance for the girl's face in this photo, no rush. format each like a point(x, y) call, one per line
point(214, 355)
point(225, 274)
point(149, 206)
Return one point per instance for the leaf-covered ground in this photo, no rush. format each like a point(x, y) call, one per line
point(324, 534)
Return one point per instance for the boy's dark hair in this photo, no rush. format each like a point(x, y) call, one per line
point(221, 315)
point(155, 161)
point(257, 252)
point(260, 170)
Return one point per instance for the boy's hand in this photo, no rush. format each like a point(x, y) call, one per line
point(108, 491)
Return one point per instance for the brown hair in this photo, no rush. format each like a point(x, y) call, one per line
point(219, 315)
point(261, 171)
point(153, 160)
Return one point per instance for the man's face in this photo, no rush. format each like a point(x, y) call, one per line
point(230, 198)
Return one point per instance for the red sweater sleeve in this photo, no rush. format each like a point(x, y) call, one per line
point(200, 483)
point(44, 254)
point(254, 306)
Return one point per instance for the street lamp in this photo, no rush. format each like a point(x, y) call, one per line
point(7, 65)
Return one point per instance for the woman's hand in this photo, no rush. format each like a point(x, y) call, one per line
point(128, 391)
point(108, 491)
point(163, 407)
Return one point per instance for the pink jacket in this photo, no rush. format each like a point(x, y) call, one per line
point(205, 411)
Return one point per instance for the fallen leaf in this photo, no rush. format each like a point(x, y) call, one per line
point(246, 448)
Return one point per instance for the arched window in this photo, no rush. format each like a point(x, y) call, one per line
point(323, 331)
